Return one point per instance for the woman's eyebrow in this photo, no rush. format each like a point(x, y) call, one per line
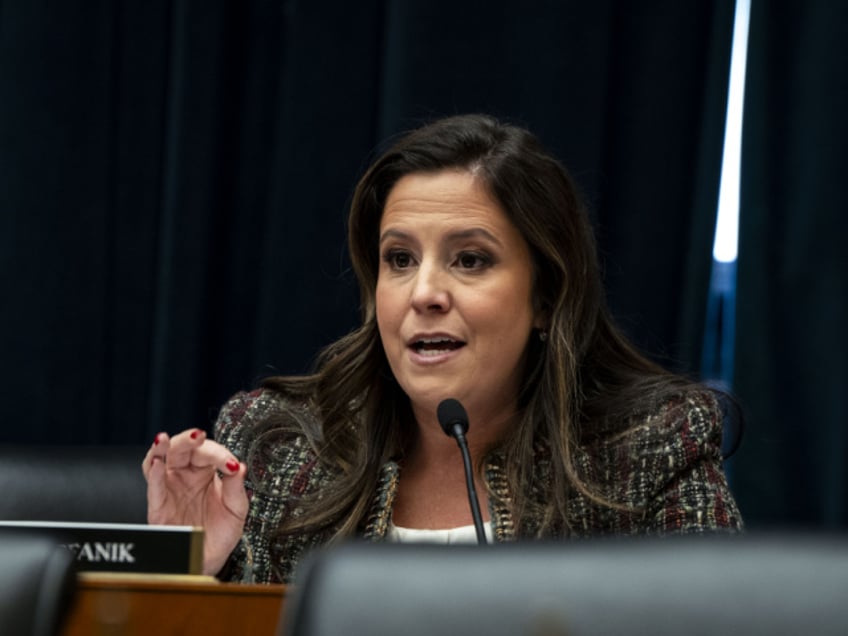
point(398, 234)
point(475, 232)
point(459, 235)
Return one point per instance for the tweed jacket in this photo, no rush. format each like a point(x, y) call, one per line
point(668, 467)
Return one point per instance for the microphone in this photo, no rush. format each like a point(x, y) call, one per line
point(454, 422)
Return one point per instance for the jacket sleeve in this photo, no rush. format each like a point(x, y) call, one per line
point(281, 473)
point(689, 492)
point(249, 562)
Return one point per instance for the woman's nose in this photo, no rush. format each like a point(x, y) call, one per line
point(431, 289)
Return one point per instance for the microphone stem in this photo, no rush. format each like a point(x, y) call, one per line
point(472, 490)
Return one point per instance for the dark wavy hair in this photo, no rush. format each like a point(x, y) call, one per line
point(585, 381)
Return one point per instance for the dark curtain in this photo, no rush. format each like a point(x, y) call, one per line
point(792, 347)
point(174, 178)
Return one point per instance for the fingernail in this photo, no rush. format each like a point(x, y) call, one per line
point(157, 439)
point(195, 434)
point(232, 466)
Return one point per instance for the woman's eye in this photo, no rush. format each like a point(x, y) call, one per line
point(398, 259)
point(472, 260)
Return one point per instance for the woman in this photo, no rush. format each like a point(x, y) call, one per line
point(479, 281)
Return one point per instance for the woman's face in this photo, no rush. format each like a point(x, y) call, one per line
point(454, 306)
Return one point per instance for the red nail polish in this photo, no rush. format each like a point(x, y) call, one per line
point(156, 439)
point(232, 466)
point(195, 434)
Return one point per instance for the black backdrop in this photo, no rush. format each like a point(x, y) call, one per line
point(174, 178)
point(792, 347)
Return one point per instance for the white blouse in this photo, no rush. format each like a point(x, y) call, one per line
point(463, 534)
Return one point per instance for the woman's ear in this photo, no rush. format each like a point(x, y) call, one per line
point(541, 319)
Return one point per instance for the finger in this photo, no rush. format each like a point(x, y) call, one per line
point(211, 454)
point(159, 448)
point(182, 447)
point(157, 490)
point(233, 494)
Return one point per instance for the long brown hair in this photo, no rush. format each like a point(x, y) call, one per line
point(584, 379)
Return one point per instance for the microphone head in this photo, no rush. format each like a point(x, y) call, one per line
point(450, 413)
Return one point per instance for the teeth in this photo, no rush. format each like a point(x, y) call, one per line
point(433, 352)
point(436, 346)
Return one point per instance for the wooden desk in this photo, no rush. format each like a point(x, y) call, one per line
point(139, 605)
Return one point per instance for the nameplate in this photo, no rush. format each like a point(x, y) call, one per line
point(114, 547)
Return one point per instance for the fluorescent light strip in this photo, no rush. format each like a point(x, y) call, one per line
point(725, 247)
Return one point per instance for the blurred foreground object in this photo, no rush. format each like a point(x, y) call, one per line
point(678, 585)
point(37, 582)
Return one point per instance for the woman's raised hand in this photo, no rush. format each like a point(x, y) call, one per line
point(194, 481)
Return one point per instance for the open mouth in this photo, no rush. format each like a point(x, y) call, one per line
point(436, 346)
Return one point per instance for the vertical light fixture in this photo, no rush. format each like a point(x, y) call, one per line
point(719, 336)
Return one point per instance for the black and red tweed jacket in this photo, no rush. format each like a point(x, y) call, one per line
point(668, 467)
